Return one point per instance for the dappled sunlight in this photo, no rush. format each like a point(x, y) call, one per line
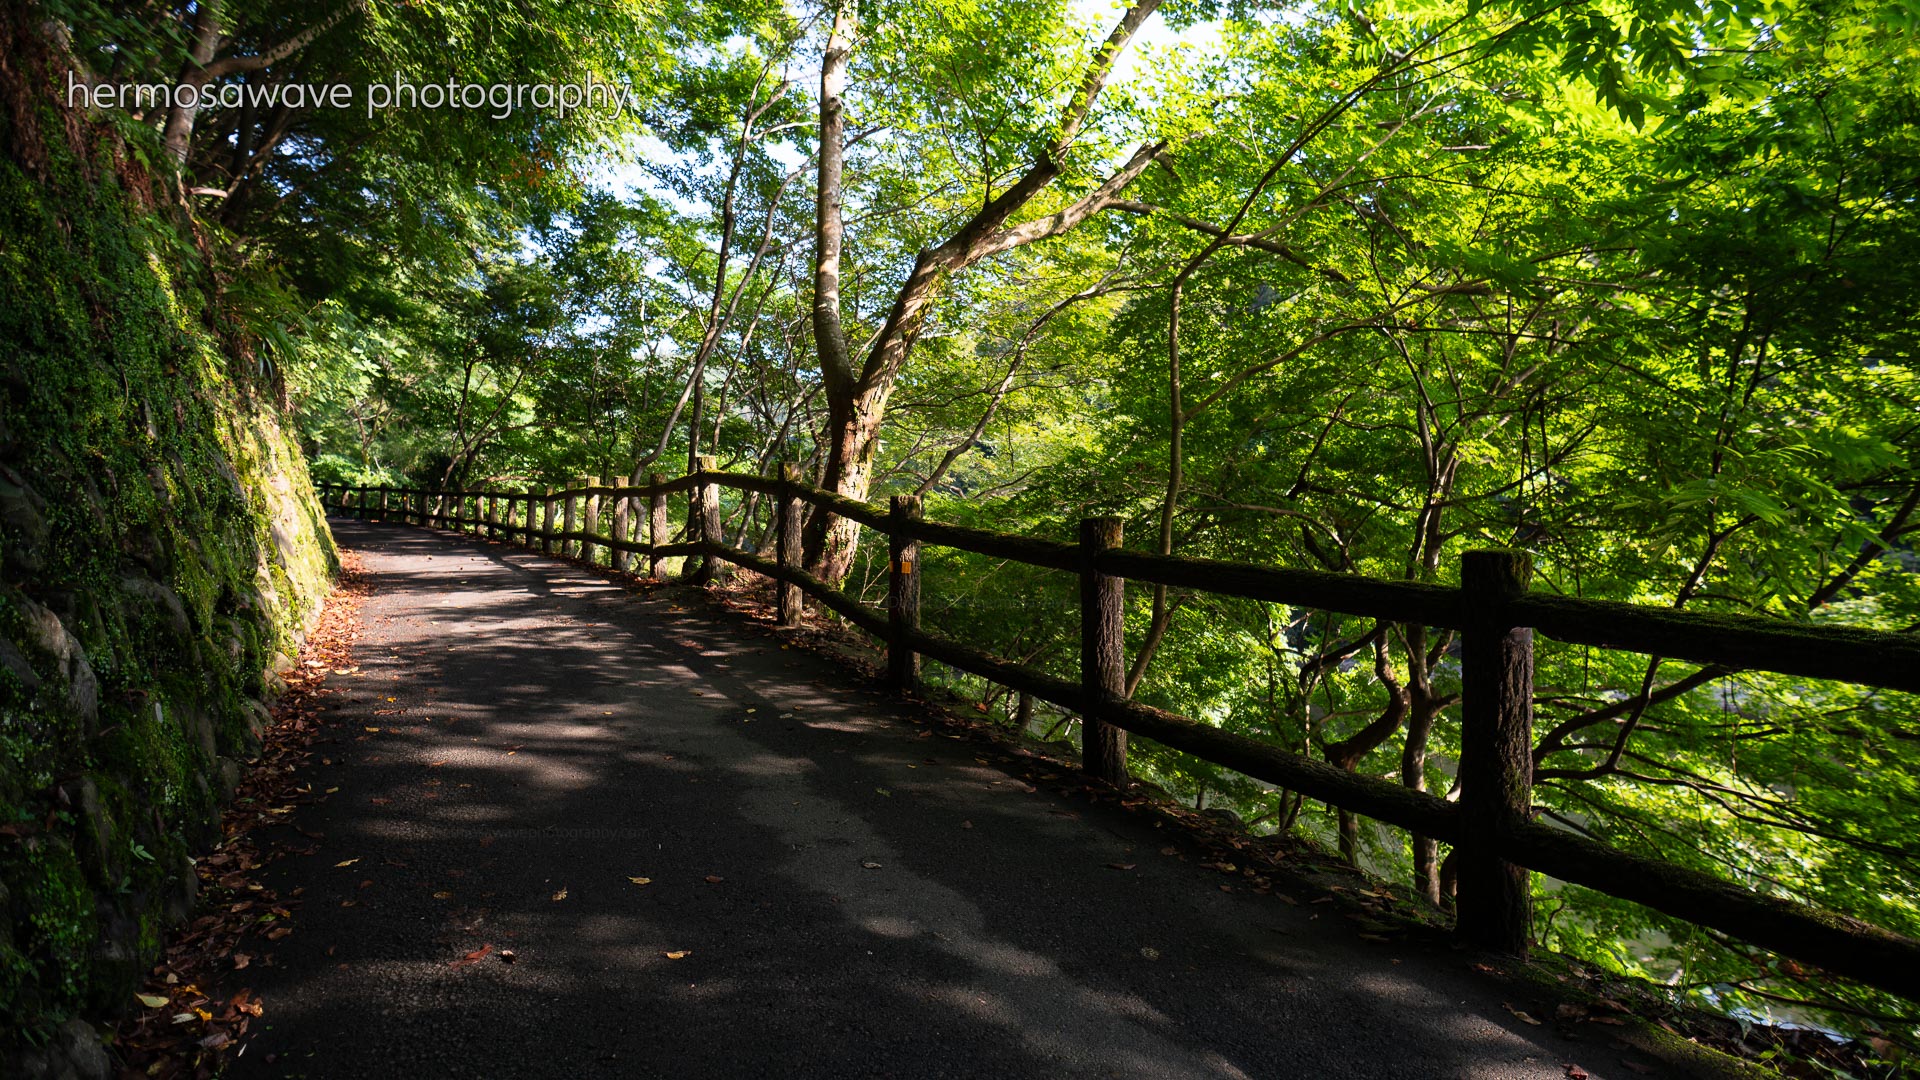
point(660, 815)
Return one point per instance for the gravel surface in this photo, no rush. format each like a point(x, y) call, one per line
point(829, 891)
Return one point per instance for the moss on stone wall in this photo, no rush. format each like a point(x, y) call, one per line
point(161, 553)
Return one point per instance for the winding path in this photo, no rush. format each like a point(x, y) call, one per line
point(852, 897)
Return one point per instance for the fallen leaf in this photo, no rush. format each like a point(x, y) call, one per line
point(1611, 1021)
point(443, 896)
point(562, 894)
point(475, 956)
point(152, 1001)
point(966, 824)
point(240, 961)
point(1151, 954)
point(1120, 866)
point(1575, 1072)
point(871, 865)
point(373, 731)
point(678, 954)
point(883, 791)
point(641, 880)
point(714, 879)
point(347, 862)
point(1520, 1015)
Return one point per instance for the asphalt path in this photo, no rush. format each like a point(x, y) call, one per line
point(828, 890)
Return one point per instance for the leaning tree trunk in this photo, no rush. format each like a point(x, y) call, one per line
point(853, 428)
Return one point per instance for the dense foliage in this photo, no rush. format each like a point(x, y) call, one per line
point(1630, 287)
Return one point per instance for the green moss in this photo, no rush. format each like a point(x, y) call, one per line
point(179, 544)
point(60, 921)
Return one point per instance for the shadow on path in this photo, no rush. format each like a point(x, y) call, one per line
point(522, 738)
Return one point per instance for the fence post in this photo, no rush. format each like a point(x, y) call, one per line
point(383, 502)
point(570, 520)
point(589, 520)
point(1494, 905)
point(1103, 747)
point(527, 524)
point(656, 523)
point(489, 514)
point(703, 521)
point(361, 502)
point(712, 526)
point(792, 600)
point(621, 515)
point(903, 593)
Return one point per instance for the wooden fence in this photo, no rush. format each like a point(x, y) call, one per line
point(1491, 826)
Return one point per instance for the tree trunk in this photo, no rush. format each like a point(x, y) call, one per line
point(857, 397)
point(853, 427)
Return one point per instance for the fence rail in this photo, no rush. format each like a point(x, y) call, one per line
point(1491, 826)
